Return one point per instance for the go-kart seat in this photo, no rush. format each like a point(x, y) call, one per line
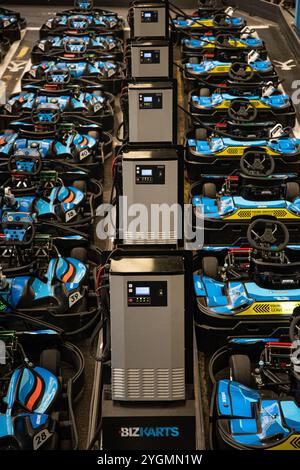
point(276, 275)
point(261, 188)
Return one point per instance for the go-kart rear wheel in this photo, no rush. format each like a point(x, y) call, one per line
point(81, 185)
point(240, 369)
point(201, 134)
point(204, 92)
point(292, 191)
point(50, 360)
point(209, 190)
point(210, 267)
point(80, 254)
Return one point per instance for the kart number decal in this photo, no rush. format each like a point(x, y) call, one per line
point(111, 72)
point(74, 298)
point(84, 153)
point(49, 24)
point(40, 438)
point(42, 46)
point(270, 308)
point(70, 215)
point(97, 107)
point(33, 72)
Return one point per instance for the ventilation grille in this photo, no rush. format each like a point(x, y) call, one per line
point(151, 238)
point(148, 384)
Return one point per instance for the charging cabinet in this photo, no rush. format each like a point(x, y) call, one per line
point(152, 112)
point(152, 177)
point(150, 19)
point(151, 59)
point(147, 310)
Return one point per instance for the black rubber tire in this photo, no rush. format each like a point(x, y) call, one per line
point(240, 369)
point(292, 191)
point(204, 92)
point(201, 134)
point(209, 190)
point(210, 267)
point(50, 360)
point(81, 185)
point(80, 254)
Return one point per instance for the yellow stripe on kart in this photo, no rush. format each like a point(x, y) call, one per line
point(292, 443)
point(247, 214)
point(239, 151)
point(270, 308)
point(202, 23)
point(256, 103)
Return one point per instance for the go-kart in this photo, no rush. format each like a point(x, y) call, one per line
point(87, 71)
point(94, 104)
point(263, 104)
point(78, 44)
point(248, 288)
point(209, 7)
point(223, 46)
point(79, 142)
point(4, 46)
point(56, 205)
point(100, 21)
point(253, 192)
point(49, 278)
point(252, 72)
point(255, 402)
point(41, 378)
point(11, 24)
point(222, 21)
point(215, 152)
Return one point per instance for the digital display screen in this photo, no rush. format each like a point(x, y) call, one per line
point(148, 99)
point(147, 14)
point(147, 172)
point(147, 55)
point(142, 291)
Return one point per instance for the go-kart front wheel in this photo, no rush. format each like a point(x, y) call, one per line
point(240, 369)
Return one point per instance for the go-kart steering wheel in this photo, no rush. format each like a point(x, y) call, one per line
point(47, 114)
point(257, 164)
point(79, 19)
point(24, 158)
point(75, 42)
point(88, 5)
point(242, 110)
point(239, 72)
point(14, 227)
point(58, 76)
point(268, 235)
point(224, 41)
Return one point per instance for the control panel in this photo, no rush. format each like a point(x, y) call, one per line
point(147, 294)
point(150, 100)
point(149, 16)
point(149, 56)
point(150, 174)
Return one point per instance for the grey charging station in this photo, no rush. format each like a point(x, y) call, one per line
point(148, 402)
point(150, 19)
point(152, 112)
point(147, 309)
point(151, 59)
point(152, 177)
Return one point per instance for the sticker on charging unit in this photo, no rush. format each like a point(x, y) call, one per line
point(150, 100)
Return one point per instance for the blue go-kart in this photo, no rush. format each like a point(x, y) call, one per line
point(11, 24)
point(255, 402)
